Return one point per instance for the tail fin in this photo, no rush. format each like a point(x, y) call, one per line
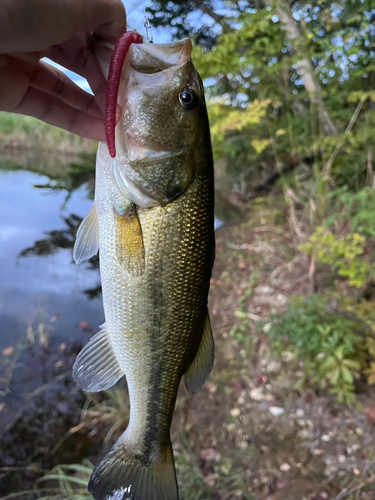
point(120, 475)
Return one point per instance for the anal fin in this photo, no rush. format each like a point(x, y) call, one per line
point(96, 367)
point(202, 364)
point(87, 239)
point(129, 240)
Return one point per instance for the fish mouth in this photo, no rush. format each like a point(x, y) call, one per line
point(151, 71)
point(137, 149)
point(155, 57)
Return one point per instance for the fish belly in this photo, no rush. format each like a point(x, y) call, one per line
point(155, 319)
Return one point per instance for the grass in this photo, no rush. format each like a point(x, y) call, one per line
point(29, 144)
point(64, 482)
point(24, 132)
point(113, 410)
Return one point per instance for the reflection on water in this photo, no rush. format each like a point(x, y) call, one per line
point(40, 286)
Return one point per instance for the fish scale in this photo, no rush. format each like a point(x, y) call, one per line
point(153, 223)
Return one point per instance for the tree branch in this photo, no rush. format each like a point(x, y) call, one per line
point(304, 65)
point(327, 167)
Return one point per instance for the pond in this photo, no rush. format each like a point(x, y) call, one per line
point(46, 301)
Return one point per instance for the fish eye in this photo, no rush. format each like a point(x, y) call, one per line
point(188, 98)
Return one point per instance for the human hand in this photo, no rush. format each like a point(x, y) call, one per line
point(60, 30)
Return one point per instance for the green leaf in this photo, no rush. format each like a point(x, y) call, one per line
point(299, 384)
point(346, 374)
point(76, 480)
point(329, 364)
point(334, 376)
point(351, 363)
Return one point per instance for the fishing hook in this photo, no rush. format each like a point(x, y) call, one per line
point(148, 28)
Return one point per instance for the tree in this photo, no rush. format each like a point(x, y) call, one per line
point(288, 83)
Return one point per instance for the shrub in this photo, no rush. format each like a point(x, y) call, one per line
point(355, 209)
point(345, 255)
point(335, 347)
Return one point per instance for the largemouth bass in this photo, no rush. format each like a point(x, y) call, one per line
point(152, 221)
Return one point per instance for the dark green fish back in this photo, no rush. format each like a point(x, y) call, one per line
point(178, 265)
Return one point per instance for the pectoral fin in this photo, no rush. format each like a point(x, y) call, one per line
point(87, 239)
point(96, 367)
point(129, 240)
point(203, 362)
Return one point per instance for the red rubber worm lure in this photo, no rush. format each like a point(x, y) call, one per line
point(115, 67)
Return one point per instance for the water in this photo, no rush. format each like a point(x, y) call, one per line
point(45, 297)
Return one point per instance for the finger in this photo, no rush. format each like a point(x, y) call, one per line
point(52, 110)
point(53, 81)
point(77, 54)
point(23, 70)
point(115, 26)
point(30, 26)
